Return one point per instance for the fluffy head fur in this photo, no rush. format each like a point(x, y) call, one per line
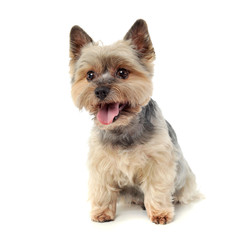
point(135, 54)
point(133, 150)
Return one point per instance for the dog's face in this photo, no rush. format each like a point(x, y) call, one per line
point(112, 82)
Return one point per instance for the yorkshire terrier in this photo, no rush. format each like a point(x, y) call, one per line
point(134, 151)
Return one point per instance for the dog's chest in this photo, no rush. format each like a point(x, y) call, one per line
point(129, 166)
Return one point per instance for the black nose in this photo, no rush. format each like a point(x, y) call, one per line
point(102, 92)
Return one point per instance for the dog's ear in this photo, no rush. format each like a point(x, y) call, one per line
point(78, 38)
point(140, 39)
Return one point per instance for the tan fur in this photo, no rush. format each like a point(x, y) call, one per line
point(151, 165)
point(137, 89)
point(155, 171)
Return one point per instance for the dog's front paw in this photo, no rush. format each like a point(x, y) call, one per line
point(163, 216)
point(104, 216)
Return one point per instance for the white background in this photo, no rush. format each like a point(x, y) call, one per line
point(44, 138)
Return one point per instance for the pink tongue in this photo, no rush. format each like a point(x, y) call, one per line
point(107, 113)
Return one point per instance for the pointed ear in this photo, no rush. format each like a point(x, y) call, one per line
point(78, 38)
point(140, 39)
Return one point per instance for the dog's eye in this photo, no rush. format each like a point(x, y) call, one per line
point(122, 73)
point(90, 75)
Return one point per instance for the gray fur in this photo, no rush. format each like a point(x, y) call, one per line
point(133, 195)
point(183, 170)
point(139, 131)
point(172, 133)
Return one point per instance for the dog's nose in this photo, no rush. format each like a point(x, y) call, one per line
point(102, 92)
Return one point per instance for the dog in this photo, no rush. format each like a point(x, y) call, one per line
point(134, 152)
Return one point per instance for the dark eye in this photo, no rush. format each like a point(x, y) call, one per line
point(90, 75)
point(122, 73)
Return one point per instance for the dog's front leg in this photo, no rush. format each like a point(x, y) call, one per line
point(102, 195)
point(159, 208)
point(158, 187)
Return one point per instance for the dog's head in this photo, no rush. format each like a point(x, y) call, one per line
point(112, 82)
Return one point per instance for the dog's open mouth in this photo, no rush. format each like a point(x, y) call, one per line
point(109, 113)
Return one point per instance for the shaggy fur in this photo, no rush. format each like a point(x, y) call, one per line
point(135, 153)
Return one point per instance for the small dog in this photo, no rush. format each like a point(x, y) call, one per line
point(133, 150)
